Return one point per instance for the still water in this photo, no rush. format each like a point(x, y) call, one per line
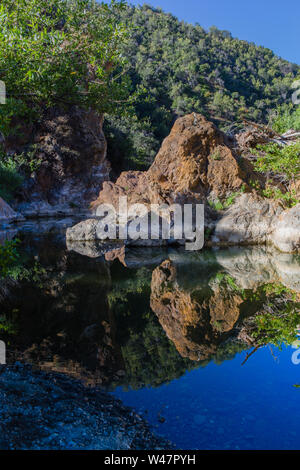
point(203, 345)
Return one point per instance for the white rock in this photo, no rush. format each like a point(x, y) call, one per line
point(286, 232)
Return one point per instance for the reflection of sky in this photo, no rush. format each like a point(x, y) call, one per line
point(254, 406)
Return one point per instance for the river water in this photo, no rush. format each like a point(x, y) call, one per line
point(203, 345)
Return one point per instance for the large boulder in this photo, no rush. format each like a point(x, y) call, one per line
point(194, 161)
point(83, 231)
point(286, 233)
point(249, 221)
point(7, 214)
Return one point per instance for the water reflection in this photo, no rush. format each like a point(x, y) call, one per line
point(139, 317)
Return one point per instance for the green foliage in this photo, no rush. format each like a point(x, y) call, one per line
point(8, 255)
point(62, 52)
point(150, 358)
point(228, 280)
point(7, 326)
point(288, 198)
point(278, 328)
point(278, 289)
point(276, 159)
point(177, 68)
point(216, 205)
point(34, 274)
point(26, 162)
point(138, 285)
point(286, 117)
point(10, 179)
point(219, 205)
point(279, 320)
point(216, 155)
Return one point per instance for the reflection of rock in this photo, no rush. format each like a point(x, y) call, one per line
point(198, 321)
point(201, 307)
point(286, 234)
point(288, 270)
point(250, 267)
point(95, 249)
point(129, 257)
point(253, 267)
point(138, 257)
point(7, 235)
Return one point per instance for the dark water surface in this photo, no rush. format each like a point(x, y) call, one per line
point(193, 341)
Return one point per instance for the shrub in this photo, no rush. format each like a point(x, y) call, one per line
point(10, 179)
point(276, 159)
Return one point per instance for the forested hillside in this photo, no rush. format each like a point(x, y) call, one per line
point(177, 68)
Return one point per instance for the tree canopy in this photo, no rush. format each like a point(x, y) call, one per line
point(60, 52)
point(178, 68)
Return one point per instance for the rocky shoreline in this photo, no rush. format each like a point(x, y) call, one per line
point(41, 411)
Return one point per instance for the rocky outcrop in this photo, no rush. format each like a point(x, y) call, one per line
point(252, 220)
point(194, 161)
point(83, 231)
point(71, 148)
point(7, 214)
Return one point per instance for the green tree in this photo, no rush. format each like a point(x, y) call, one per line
point(64, 52)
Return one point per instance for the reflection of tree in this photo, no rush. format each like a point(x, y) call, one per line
point(93, 318)
point(277, 321)
point(8, 256)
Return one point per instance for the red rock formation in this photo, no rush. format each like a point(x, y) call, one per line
point(194, 160)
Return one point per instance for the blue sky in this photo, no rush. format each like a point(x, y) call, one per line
point(271, 23)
